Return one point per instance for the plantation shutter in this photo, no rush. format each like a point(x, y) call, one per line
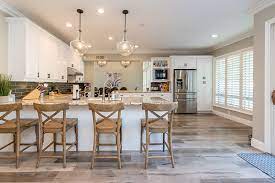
point(247, 98)
point(233, 81)
point(220, 82)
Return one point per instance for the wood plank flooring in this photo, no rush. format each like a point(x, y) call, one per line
point(205, 148)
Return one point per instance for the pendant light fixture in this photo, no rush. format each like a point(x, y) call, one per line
point(78, 45)
point(125, 48)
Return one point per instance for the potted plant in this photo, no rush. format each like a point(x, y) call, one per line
point(5, 88)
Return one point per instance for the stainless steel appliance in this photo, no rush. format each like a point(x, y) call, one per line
point(185, 90)
point(160, 74)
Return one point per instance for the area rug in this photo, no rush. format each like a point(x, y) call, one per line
point(263, 161)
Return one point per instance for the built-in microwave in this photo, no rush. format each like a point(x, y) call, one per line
point(160, 74)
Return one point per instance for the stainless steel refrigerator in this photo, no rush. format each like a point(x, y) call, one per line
point(185, 91)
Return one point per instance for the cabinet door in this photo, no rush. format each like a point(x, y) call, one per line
point(204, 83)
point(32, 52)
point(184, 62)
point(47, 58)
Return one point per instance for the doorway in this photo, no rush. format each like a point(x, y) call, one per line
point(269, 86)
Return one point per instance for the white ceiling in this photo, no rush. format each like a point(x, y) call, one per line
point(155, 25)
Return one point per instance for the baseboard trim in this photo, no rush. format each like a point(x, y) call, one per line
point(258, 144)
point(233, 118)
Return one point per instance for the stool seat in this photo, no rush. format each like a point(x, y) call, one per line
point(10, 125)
point(159, 124)
point(108, 125)
point(56, 125)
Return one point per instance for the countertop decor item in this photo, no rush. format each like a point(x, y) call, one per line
point(5, 88)
point(126, 48)
point(78, 45)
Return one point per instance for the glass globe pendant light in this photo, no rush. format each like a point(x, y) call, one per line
point(125, 48)
point(78, 45)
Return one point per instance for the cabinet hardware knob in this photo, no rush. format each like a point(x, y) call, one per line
point(38, 74)
point(49, 76)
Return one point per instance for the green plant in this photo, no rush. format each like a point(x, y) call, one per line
point(5, 85)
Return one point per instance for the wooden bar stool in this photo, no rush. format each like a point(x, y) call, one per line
point(106, 125)
point(16, 127)
point(48, 123)
point(158, 125)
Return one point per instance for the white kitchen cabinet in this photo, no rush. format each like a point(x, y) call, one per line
point(22, 50)
point(204, 83)
point(184, 62)
point(36, 55)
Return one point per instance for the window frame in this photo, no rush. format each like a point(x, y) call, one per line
point(239, 109)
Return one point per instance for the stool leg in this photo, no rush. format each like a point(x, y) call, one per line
point(64, 148)
point(94, 150)
point(97, 143)
point(14, 142)
point(120, 139)
point(163, 142)
point(171, 148)
point(147, 147)
point(37, 137)
point(17, 149)
point(39, 145)
point(141, 138)
point(118, 149)
point(54, 142)
point(76, 137)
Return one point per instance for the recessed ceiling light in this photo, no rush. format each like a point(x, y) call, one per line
point(110, 38)
point(214, 36)
point(100, 10)
point(69, 24)
point(136, 46)
point(89, 46)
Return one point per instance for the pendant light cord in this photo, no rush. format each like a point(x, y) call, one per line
point(125, 30)
point(79, 27)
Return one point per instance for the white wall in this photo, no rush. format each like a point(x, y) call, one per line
point(131, 77)
point(3, 44)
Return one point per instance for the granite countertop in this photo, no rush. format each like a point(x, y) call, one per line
point(85, 101)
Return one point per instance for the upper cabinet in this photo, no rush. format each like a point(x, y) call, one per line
point(36, 55)
point(184, 62)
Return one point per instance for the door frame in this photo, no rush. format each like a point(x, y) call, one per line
point(268, 114)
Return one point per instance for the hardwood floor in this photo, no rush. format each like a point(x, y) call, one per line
point(205, 148)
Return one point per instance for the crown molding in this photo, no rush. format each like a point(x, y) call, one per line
point(233, 40)
point(10, 10)
point(260, 5)
point(155, 51)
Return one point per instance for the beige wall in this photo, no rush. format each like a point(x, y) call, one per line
point(3, 44)
point(259, 49)
point(242, 44)
point(245, 43)
point(131, 77)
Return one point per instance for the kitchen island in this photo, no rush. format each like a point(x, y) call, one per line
point(131, 116)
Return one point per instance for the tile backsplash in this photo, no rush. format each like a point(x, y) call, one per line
point(21, 89)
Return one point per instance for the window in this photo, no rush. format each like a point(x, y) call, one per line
point(220, 81)
point(234, 81)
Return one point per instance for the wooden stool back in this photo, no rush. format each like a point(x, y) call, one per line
point(167, 108)
point(7, 109)
point(111, 108)
point(55, 109)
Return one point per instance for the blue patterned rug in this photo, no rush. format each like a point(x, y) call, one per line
point(263, 161)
